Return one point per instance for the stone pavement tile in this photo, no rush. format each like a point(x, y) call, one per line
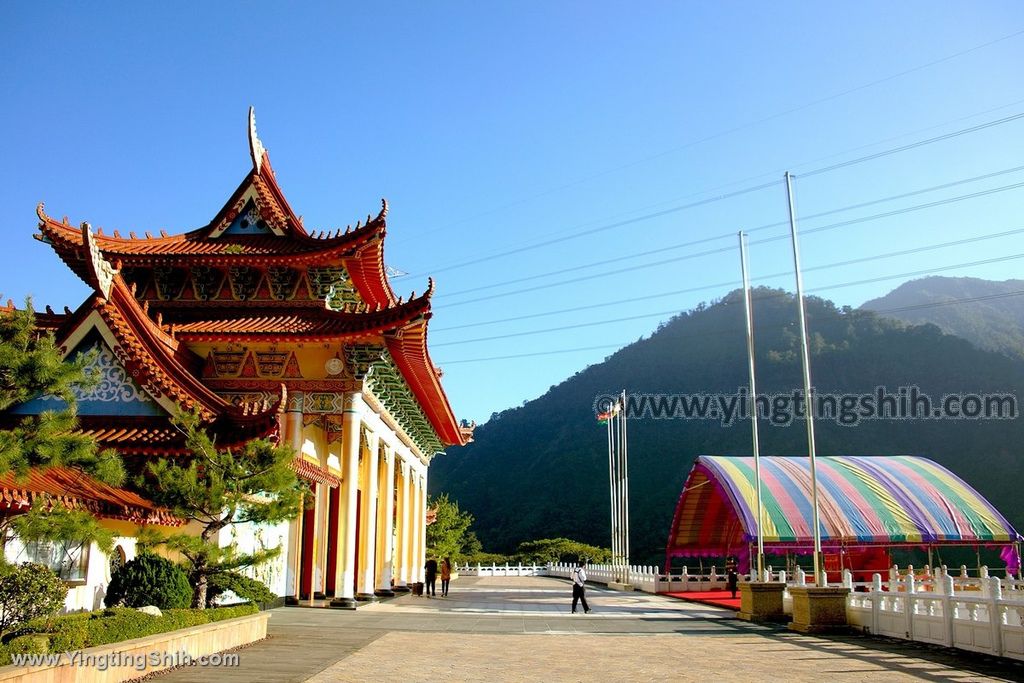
point(508, 657)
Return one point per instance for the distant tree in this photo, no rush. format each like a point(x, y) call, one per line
point(448, 535)
point(560, 550)
point(216, 489)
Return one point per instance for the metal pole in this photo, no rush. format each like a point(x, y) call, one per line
point(625, 487)
point(611, 481)
point(616, 420)
point(753, 404)
point(808, 399)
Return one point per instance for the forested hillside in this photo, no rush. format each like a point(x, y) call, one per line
point(986, 313)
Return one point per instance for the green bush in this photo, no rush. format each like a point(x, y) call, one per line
point(76, 631)
point(29, 591)
point(149, 580)
point(246, 588)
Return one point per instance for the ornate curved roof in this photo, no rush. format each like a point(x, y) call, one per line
point(256, 228)
point(408, 349)
point(197, 246)
point(295, 324)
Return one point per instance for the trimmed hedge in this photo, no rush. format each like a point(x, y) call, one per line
point(87, 629)
point(149, 580)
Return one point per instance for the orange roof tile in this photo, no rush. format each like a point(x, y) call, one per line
point(76, 490)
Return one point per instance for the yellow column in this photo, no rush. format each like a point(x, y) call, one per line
point(293, 437)
point(410, 525)
point(386, 525)
point(404, 505)
point(420, 520)
point(344, 583)
point(368, 521)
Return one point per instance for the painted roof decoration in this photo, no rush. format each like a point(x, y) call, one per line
point(863, 500)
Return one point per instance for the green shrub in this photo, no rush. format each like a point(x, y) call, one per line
point(246, 588)
point(29, 591)
point(149, 580)
point(70, 632)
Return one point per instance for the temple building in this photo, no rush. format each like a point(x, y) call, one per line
point(267, 330)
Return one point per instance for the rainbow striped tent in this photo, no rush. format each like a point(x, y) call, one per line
point(862, 502)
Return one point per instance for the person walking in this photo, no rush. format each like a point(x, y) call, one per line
point(732, 581)
point(446, 576)
point(430, 578)
point(579, 582)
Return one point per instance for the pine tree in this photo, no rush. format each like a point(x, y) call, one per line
point(216, 489)
point(31, 366)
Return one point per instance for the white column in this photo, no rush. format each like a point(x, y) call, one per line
point(293, 437)
point(344, 583)
point(404, 526)
point(386, 524)
point(368, 521)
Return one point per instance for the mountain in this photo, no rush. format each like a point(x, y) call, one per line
point(986, 313)
point(541, 470)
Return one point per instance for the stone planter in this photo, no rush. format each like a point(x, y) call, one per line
point(761, 601)
point(138, 657)
point(817, 610)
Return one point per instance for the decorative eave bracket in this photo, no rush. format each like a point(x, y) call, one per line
point(101, 269)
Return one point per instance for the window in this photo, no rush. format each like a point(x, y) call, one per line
point(117, 560)
point(69, 559)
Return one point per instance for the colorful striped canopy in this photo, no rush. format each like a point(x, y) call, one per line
point(875, 500)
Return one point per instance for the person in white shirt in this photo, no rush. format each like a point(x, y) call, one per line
point(579, 581)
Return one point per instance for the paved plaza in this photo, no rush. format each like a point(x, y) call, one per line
point(521, 629)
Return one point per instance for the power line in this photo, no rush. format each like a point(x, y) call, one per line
point(838, 264)
point(738, 128)
point(932, 304)
point(831, 226)
point(574, 235)
point(730, 235)
point(538, 353)
point(913, 145)
point(674, 311)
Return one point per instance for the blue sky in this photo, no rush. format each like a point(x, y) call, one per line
point(496, 127)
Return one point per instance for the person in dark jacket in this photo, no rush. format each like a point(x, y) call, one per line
point(732, 581)
point(430, 578)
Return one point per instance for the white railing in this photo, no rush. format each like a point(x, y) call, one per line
point(988, 619)
point(502, 570)
point(644, 578)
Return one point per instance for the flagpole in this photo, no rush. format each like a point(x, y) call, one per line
point(748, 314)
point(611, 480)
point(616, 438)
point(805, 355)
point(625, 488)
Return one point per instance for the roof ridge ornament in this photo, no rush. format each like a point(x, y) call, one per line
point(256, 148)
point(100, 267)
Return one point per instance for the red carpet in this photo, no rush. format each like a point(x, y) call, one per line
point(716, 598)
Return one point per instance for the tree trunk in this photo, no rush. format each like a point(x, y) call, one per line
point(199, 592)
